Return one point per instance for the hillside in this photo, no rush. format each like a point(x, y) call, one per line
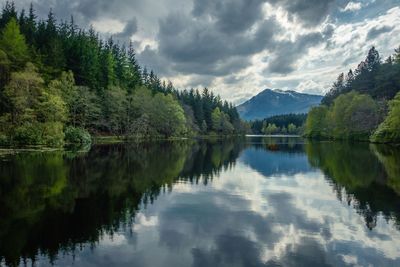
point(362, 105)
point(274, 102)
point(60, 84)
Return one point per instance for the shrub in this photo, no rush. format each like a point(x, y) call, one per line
point(75, 135)
point(28, 134)
point(4, 140)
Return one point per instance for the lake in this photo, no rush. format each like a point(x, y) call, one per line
point(255, 201)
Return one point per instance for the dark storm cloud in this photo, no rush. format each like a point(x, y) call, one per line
point(378, 30)
point(150, 59)
point(285, 57)
point(203, 80)
point(202, 47)
point(183, 39)
point(216, 39)
point(221, 36)
point(232, 16)
point(129, 29)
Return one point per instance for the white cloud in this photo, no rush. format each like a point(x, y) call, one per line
point(110, 26)
point(352, 6)
point(309, 86)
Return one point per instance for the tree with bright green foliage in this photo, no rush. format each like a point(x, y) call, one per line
point(286, 123)
point(292, 129)
point(352, 116)
point(271, 128)
point(220, 122)
point(36, 115)
point(316, 124)
point(389, 130)
point(13, 43)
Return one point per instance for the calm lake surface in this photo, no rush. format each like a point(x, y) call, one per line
point(254, 201)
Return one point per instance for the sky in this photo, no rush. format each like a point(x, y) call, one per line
point(238, 48)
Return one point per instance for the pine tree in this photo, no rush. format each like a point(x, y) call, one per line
point(28, 28)
point(349, 78)
point(397, 55)
point(9, 12)
point(373, 59)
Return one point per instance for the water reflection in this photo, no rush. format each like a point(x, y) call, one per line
point(365, 176)
point(242, 202)
point(276, 155)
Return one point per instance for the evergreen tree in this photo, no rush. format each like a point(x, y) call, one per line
point(397, 55)
point(373, 59)
point(349, 78)
point(9, 12)
point(337, 88)
point(28, 26)
point(379, 80)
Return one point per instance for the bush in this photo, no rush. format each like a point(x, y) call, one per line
point(78, 136)
point(28, 134)
point(4, 140)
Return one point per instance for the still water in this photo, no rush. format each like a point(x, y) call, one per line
point(254, 201)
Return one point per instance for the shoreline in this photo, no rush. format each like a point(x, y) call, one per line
point(110, 140)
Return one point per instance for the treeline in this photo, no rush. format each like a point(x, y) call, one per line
point(363, 105)
point(60, 84)
point(279, 124)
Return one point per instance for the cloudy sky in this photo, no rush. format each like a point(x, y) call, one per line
point(240, 47)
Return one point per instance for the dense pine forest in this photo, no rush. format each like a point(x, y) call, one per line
point(362, 105)
point(61, 84)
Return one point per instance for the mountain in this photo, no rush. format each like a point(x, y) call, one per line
point(276, 102)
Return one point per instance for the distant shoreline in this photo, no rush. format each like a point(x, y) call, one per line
point(273, 135)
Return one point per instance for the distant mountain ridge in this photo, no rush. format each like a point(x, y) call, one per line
point(271, 102)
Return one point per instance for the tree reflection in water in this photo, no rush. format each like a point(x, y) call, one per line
point(58, 202)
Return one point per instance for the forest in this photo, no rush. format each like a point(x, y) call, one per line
point(280, 124)
point(60, 84)
point(363, 105)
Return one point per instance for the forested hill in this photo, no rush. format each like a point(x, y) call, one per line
point(277, 102)
point(362, 105)
point(58, 83)
point(373, 76)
